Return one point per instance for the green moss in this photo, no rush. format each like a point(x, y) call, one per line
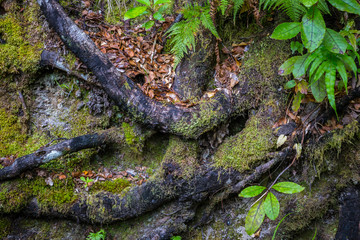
point(130, 136)
point(5, 225)
point(114, 186)
point(246, 148)
point(17, 193)
point(205, 117)
point(322, 153)
point(13, 140)
point(21, 52)
point(182, 156)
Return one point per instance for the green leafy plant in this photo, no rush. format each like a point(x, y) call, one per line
point(87, 180)
point(237, 4)
point(267, 204)
point(153, 8)
point(175, 238)
point(183, 33)
point(100, 235)
point(327, 51)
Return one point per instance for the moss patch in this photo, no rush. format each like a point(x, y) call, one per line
point(21, 52)
point(16, 194)
point(246, 148)
point(5, 225)
point(114, 186)
point(180, 158)
point(13, 140)
point(322, 153)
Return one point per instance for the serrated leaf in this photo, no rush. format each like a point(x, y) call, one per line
point(330, 78)
point(290, 84)
point(288, 187)
point(287, 67)
point(134, 12)
point(318, 89)
point(334, 42)
point(308, 3)
point(252, 191)
point(281, 140)
point(145, 2)
point(299, 66)
point(286, 30)
point(340, 67)
point(350, 6)
point(158, 16)
point(157, 2)
point(254, 218)
point(148, 24)
point(271, 206)
point(297, 101)
point(313, 26)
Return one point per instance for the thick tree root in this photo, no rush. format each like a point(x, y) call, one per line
point(188, 122)
point(46, 154)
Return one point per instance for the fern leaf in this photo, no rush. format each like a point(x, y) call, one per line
point(223, 6)
point(237, 5)
point(206, 20)
point(293, 8)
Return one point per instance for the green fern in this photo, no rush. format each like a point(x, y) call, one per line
point(224, 4)
point(237, 5)
point(293, 8)
point(183, 33)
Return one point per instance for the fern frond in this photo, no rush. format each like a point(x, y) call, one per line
point(237, 5)
point(224, 4)
point(293, 8)
point(183, 38)
point(206, 20)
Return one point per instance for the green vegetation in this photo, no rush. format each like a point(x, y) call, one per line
point(328, 52)
point(114, 186)
point(267, 204)
point(155, 8)
point(246, 148)
point(21, 51)
point(13, 140)
point(100, 235)
point(183, 33)
point(86, 180)
point(16, 194)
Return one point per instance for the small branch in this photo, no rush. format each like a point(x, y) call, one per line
point(46, 154)
point(260, 170)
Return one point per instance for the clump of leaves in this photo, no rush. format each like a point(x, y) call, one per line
point(154, 9)
point(100, 235)
point(267, 204)
point(183, 33)
point(327, 51)
point(87, 180)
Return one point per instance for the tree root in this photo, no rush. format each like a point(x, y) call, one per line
point(46, 154)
